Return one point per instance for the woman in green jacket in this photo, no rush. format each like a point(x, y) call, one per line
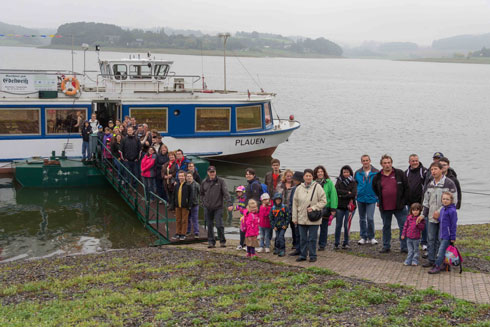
point(321, 177)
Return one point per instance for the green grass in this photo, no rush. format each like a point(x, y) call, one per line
point(203, 290)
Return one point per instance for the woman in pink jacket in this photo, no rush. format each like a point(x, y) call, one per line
point(251, 227)
point(148, 172)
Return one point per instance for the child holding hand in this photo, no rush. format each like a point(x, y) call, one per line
point(251, 227)
point(412, 230)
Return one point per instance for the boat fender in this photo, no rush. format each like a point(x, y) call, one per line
point(70, 85)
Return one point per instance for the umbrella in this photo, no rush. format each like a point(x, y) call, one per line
point(351, 207)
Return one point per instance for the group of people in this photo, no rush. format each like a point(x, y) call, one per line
point(423, 201)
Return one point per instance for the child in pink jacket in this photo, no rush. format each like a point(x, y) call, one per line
point(265, 227)
point(412, 230)
point(251, 227)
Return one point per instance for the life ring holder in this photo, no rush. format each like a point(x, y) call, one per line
point(70, 86)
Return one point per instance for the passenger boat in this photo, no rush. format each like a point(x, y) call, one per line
point(42, 111)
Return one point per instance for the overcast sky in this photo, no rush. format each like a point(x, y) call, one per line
point(343, 21)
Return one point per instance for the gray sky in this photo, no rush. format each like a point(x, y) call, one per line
point(343, 21)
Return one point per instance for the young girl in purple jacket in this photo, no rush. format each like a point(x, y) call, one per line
point(448, 221)
point(412, 230)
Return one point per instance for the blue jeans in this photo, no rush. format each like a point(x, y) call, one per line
point(85, 152)
point(308, 235)
point(212, 216)
point(433, 241)
point(265, 237)
point(342, 219)
point(413, 251)
point(442, 252)
point(193, 220)
point(150, 186)
point(366, 219)
point(322, 240)
point(387, 216)
point(280, 242)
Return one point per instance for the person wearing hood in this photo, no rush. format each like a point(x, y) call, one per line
point(346, 188)
point(416, 175)
point(308, 196)
point(85, 133)
point(148, 172)
point(321, 177)
point(366, 200)
point(253, 190)
point(279, 218)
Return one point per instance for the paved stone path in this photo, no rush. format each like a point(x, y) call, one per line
point(469, 286)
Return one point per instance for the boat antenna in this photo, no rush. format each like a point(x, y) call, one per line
point(202, 69)
point(225, 37)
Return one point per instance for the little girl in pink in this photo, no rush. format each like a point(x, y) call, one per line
point(250, 226)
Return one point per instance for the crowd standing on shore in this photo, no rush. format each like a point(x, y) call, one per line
point(423, 201)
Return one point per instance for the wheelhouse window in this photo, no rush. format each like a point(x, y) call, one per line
point(161, 71)
point(268, 113)
point(120, 71)
point(22, 121)
point(156, 118)
point(248, 118)
point(65, 121)
point(140, 71)
point(213, 119)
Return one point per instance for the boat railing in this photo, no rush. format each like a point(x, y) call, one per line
point(150, 208)
point(170, 83)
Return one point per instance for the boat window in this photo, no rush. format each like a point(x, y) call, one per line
point(65, 121)
point(161, 71)
point(268, 113)
point(156, 118)
point(20, 121)
point(213, 119)
point(140, 71)
point(249, 117)
point(120, 71)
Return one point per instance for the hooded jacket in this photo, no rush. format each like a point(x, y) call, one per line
point(279, 215)
point(253, 190)
point(86, 131)
point(148, 166)
point(448, 223)
point(411, 229)
point(301, 202)
point(365, 192)
point(214, 192)
point(401, 188)
point(416, 181)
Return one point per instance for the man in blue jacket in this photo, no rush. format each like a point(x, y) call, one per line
point(366, 199)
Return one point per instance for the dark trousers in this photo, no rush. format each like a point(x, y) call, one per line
point(132, 166)
point(295, 235)
point(342, 219)
point(160, 190)
point(387, 216)
point(322, 240)
point(193, 220)
point(308, 238)
point(215, 216)
point(280, 243)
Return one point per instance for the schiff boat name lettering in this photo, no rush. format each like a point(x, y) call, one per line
point(252, 141)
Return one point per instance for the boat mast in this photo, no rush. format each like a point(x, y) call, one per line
point(225, 37)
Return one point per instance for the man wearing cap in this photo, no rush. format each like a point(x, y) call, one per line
point(297, 180)
point(213, 193)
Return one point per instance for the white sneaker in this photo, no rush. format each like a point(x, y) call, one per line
point(260, 250)
point(373, 241)
point(267, 250)
point(361, 241)
point(239, 247)
point(244, 248)
point(424, 247)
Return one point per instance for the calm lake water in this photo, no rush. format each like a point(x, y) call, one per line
point(347, 107)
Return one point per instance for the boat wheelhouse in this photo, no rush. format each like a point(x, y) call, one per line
point(43, 111)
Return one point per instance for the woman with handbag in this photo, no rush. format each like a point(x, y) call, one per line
point(308, 202)
point(346, 188)
point(321, 177)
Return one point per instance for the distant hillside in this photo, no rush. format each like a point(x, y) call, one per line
point(113, 36)
point(21, 40)
point(463, 42)
point(382, 50)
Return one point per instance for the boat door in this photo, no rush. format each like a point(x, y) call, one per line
point(107, 110)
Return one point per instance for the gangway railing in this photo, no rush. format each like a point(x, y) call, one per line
point(150, 209)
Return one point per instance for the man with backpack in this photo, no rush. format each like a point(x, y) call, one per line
point(254, 188)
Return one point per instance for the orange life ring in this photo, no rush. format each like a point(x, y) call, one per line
point(70, 85)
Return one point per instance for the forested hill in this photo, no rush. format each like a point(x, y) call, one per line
point(113, 36)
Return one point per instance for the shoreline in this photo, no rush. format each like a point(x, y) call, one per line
point(477, 61)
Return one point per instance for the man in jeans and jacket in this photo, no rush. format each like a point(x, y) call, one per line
point(391, 186)
point(366, 199)
point(433, 205)
point(213, 192)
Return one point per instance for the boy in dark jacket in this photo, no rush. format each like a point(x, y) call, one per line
point(182, 203)
point(279, 218)
point(86, 131)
